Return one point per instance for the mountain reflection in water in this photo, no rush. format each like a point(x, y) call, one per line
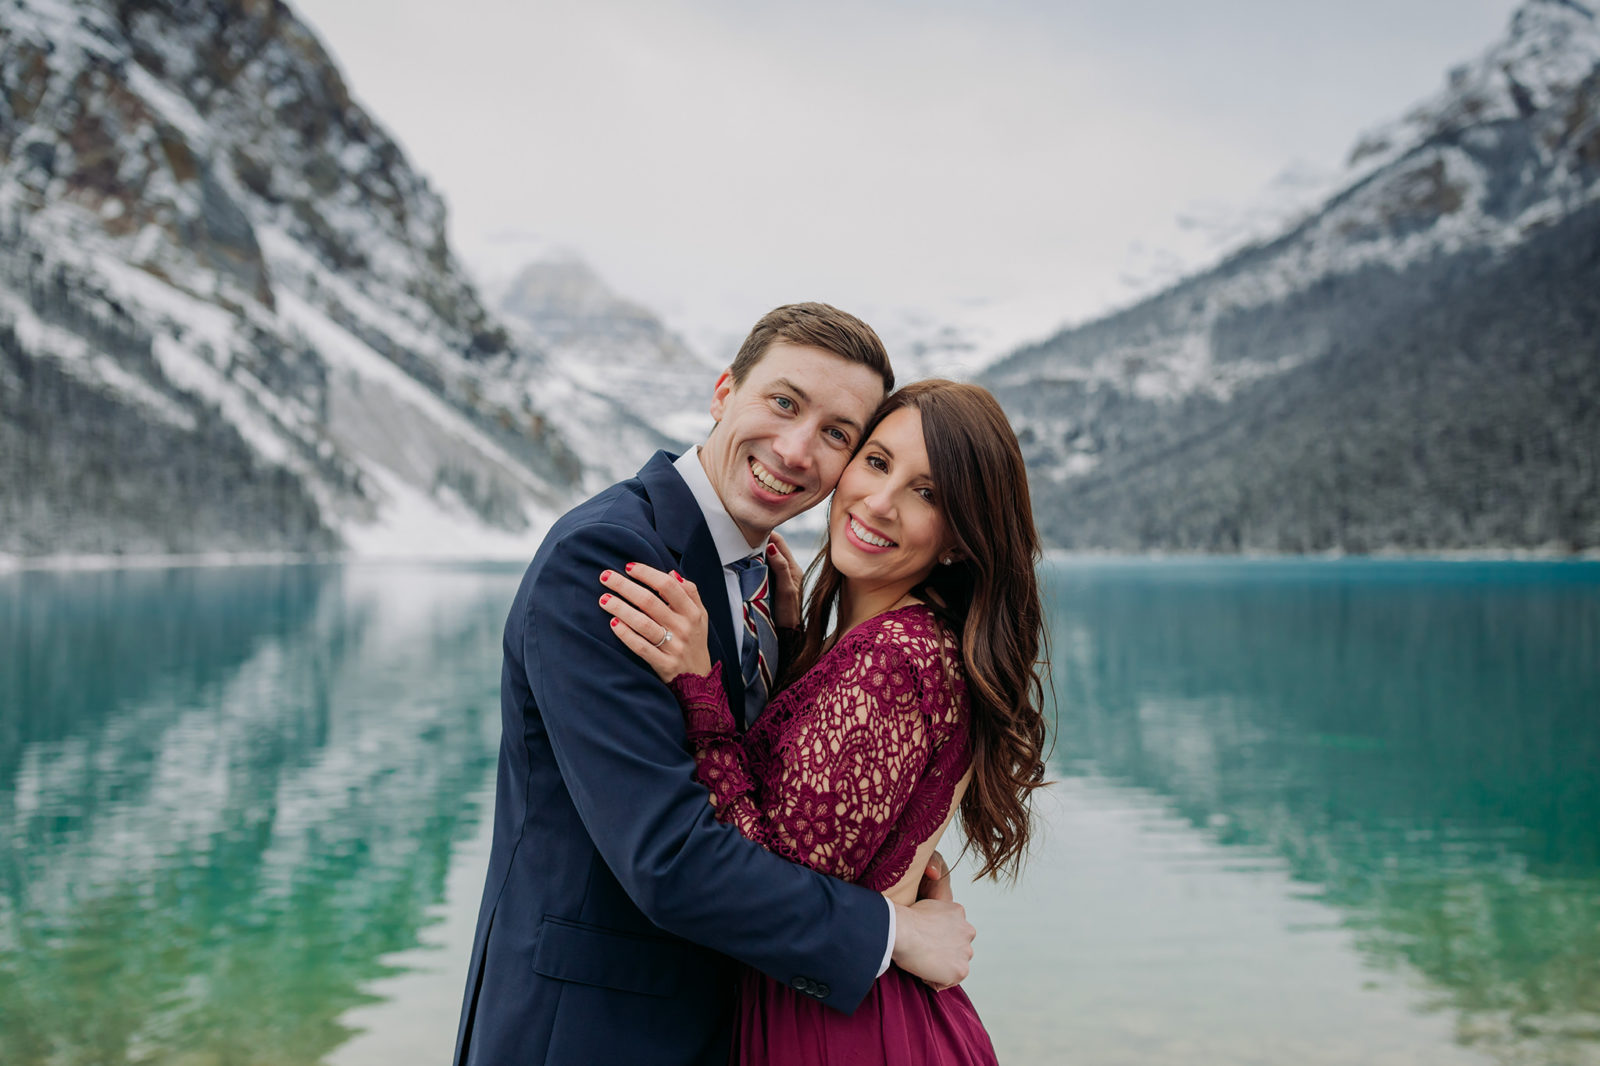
point(230, 800)
point(1418, 742)
point(224, 795)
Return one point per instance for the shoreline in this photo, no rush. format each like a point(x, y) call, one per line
point(12, 564)
point(68, 563)
point(1444, 555)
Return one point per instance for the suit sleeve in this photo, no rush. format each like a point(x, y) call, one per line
point(619, 741)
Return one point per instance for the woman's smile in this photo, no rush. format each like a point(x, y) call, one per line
point(871, 539)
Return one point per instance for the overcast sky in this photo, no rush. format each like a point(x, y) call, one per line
point(713, 158)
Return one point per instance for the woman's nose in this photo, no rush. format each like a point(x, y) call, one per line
point(880, 503)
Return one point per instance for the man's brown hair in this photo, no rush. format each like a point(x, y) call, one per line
point(817, 325)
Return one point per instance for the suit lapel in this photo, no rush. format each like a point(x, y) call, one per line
point(682, 526)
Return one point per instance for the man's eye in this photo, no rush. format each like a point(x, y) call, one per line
point(839, 435)
point(784, 402)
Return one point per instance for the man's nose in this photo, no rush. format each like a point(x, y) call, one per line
point(793, 446)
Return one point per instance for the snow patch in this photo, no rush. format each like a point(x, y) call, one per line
point(412, 525)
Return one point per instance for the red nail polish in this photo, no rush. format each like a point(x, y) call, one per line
point(613, 623)
point(629, 568)
point(605, 599)
point(605, 576)
point(772, 549)
point(677, 575)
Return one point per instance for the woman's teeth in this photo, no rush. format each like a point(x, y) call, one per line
point(871, 538)
point(763, 475)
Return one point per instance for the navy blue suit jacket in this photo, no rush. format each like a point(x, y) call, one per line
point(615, 901)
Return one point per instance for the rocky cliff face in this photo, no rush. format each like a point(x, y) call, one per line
point(1414, 365)
point(229, 318)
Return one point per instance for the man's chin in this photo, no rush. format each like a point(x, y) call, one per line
point(770, 515)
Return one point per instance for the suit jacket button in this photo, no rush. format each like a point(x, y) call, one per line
point(822, 990)
point(800, 984)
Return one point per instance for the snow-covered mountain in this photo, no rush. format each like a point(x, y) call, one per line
point(1413, 364)
point(229, 317)
point(230, 320)
point(611, 374)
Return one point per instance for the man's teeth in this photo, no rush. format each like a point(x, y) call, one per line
point(782, 488)
point(871, 538)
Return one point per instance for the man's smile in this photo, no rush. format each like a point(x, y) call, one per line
point(770, 481)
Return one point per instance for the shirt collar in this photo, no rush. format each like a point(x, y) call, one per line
point(731, 545)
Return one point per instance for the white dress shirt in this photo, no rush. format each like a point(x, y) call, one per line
point(731, 545)
point(731, 548)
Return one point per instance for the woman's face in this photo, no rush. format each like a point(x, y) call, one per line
point(886, 526)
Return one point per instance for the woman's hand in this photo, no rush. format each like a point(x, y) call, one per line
point(660, 618)
point(786, 580)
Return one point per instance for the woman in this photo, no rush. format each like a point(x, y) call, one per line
point(923, 699)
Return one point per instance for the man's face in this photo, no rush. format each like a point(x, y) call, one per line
point(783, 437)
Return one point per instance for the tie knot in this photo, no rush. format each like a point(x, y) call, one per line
point(752, 573)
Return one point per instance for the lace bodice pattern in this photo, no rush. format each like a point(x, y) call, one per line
point(853, 766)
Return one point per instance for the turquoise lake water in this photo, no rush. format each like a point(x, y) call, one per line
point(1305, 812)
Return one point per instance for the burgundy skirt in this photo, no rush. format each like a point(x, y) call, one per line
point(902, 1022)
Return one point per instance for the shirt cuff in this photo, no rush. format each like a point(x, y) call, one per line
point(888, 952)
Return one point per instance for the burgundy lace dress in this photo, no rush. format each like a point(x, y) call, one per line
point(847, 771)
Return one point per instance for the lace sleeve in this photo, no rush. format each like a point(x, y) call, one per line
point(852, 740)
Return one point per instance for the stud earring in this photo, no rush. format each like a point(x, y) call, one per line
point(947, 560)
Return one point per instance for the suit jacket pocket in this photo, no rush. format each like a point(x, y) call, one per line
point(605, 958)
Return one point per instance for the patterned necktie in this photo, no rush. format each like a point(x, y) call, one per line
point(758, 650)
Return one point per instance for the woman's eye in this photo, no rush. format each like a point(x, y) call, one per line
point(877, 463)
point(926, 494)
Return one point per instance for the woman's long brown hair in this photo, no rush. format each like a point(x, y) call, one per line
point(989, 596)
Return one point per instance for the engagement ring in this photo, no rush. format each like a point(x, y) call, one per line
point(666, 635)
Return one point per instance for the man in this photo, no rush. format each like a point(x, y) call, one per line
point(615, 902)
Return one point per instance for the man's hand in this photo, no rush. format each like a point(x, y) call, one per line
point(933, 939)
point(935, 883)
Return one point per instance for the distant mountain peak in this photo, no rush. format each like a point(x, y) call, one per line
point(1550, 47)
point(613, 373)
point(1407, 365)
point(1534, 9)
point(561, 282)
